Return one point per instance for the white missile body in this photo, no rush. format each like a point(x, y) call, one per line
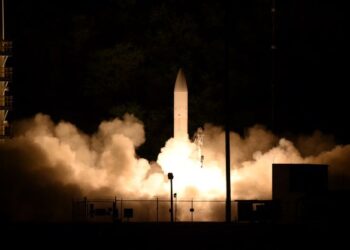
point(180, 107)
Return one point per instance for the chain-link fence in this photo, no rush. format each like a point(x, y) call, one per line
point(148, 210)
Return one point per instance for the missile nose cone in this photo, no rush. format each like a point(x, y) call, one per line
point(180, 84)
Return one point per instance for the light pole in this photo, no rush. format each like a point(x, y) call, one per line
point(171, 177)
point(227, 119)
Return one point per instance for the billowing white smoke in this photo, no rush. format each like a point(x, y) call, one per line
point(105, 164)
point(104, 161)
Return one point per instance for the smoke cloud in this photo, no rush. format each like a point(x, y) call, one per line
point(30, 187)
point(46, 165)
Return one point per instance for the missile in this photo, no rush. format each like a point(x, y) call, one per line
point(180, 107)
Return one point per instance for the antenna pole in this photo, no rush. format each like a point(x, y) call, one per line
point(227, 111)
point(3, 20)
point(273, 63)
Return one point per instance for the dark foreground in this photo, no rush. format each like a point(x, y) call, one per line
point(175, 236)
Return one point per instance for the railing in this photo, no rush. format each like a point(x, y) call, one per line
point(5, 48)
point(5, 131)
point(6, 74)
point(6, 102)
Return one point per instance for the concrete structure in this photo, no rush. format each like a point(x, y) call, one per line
point(180, 106)
point(256, 210)
point(5, 78)
point(299, 194)
point(299, 191)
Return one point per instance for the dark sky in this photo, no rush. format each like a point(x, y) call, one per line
point(85, 61)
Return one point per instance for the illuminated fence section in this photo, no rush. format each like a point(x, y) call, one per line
point(151, 210)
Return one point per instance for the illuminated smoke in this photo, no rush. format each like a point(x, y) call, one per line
point(47, 164)
point(104, 161)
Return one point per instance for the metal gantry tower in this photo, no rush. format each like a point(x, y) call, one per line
point(5, 78)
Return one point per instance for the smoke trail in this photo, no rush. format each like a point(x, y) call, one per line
point(48, 164)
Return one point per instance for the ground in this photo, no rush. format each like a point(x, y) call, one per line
point(175, 236)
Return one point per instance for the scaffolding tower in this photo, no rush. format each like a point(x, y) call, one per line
point(5, 78)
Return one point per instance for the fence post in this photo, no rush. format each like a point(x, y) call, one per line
point(157, 210)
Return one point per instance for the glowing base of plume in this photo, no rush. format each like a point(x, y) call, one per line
point(180, 157)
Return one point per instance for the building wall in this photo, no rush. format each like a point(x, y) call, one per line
point(297, 188)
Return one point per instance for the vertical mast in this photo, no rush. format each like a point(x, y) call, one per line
point(273, 64)
point(5, 77)
point(227, 20)
point(2, 20)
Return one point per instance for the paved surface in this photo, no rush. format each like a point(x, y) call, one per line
point(174, 236)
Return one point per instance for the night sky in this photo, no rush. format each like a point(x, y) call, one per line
point(84, 61)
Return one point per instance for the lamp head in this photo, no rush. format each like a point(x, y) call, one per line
point(170, 176)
